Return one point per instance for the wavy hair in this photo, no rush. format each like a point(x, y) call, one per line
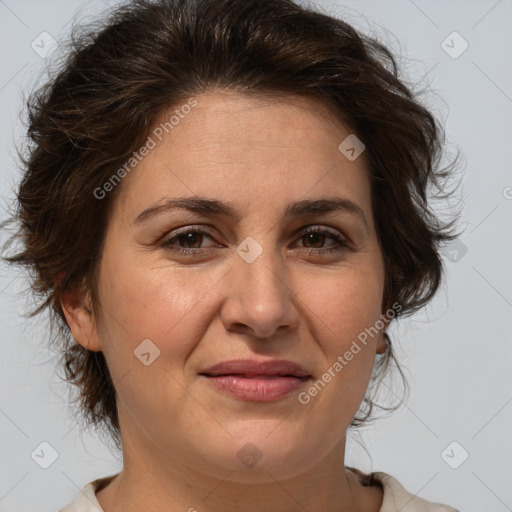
point(122, 71)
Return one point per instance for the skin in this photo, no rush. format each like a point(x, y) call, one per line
point(180, 434)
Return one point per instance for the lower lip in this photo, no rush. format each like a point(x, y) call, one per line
point(257, 389)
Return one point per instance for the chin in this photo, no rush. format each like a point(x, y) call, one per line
point(262, 458)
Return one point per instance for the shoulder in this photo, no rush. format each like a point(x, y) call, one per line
point(85, 500)
point(397, 498)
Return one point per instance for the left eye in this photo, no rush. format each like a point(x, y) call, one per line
point(192, 240)
point(190, 237)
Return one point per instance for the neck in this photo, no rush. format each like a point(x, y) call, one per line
point(150, 480)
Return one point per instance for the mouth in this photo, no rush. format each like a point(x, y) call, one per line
point(259, 381)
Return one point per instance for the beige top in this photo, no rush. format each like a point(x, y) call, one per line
point(395, 497)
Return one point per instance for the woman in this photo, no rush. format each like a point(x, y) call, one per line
point(224, 206)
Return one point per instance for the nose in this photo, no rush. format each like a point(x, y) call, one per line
point(259, 298)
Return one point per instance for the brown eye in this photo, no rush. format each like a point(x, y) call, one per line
point(313, 240)
point(187, 241)
point(317, 239)
point(190, 239)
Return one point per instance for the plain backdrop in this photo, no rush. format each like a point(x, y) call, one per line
point(450, 442)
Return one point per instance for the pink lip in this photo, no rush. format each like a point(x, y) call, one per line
point(253, 380)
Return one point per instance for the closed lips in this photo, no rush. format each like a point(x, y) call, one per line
point(255, 375)
point(256, 380)
point(250, 369)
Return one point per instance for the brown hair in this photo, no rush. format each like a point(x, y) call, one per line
point(121, 73)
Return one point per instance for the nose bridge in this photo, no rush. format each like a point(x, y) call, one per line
point(260, 297)
point(261, 265)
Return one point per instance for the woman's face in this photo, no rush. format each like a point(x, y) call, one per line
point(267, 280)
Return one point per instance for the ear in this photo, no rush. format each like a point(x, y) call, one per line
point(381, 342)
point(77, 307)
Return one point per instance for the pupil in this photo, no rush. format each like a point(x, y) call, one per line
point(189, 238)
point(312, 236)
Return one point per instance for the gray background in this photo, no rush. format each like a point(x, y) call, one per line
point(457, 352)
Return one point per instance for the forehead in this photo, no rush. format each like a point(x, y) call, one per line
point(270, 120)
point(246, 149)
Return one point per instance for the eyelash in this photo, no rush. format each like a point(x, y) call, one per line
point(341, 245)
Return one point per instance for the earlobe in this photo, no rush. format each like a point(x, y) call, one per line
point(382, 343)
point(78, 312)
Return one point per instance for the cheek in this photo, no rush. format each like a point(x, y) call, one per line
point(155, 302)
point(344, 303)
point(343, 309)
point(160, 304)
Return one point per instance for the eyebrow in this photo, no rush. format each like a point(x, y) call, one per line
point(218, 208)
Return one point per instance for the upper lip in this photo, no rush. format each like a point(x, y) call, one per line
point(255, 368)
